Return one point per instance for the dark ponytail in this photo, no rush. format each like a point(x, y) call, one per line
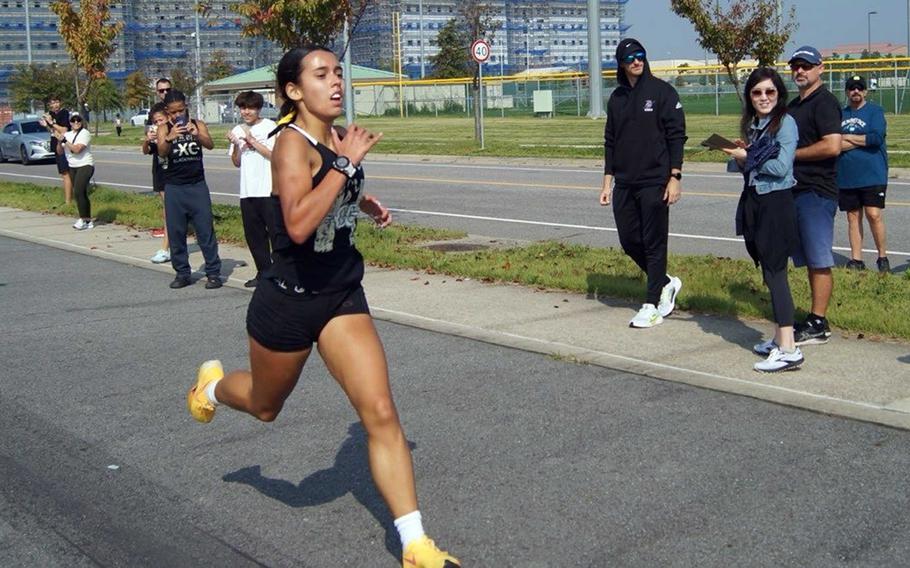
point(289, 69)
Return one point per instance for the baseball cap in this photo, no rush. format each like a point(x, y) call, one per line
point(808, 54)
point(855, 81)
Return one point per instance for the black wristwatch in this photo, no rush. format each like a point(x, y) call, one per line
point(343, 164)
point(677, 175)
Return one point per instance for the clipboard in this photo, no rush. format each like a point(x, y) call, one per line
point(718, 142)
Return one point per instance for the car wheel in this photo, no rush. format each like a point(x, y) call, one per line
point(23, 154)
point(2, 157)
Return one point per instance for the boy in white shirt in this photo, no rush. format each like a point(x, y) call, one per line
point(251, 151)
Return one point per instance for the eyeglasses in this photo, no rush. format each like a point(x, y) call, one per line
point(855, 88)
point(767, 92)
point(75, 120)
point(165, 90)
point(802, 66)
point(637, 56)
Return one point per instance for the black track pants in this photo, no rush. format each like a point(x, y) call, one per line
point(643, 221)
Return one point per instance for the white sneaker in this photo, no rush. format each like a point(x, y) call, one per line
point(765, 347)
point(80, 224)
point(647, 316)
point(161, 257)
point(779, 361)
point(668, 296)
point(90, 224)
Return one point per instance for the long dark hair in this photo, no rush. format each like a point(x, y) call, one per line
point(289, 69)
point(777, 113)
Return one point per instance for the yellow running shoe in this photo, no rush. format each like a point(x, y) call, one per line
point(422, 553)
point(196, 401)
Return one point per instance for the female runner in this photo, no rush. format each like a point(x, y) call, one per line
point(312, 291)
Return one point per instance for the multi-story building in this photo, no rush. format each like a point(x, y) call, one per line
point(157, 38)
point(532, 33)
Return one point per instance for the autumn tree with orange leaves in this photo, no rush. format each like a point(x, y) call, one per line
point(89, 36)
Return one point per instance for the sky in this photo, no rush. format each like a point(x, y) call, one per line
point(822, 24)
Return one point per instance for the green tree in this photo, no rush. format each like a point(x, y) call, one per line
point(31, 85)
point(218, 67)
point(103, 96)
point(88, 35)
point(183, 81)
point(452, 60)
point(292, 23)
point(741, 28)
point(137, 89)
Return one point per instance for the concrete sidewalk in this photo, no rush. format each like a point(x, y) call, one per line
point(849, 377)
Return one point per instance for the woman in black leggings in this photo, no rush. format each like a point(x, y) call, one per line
point(766, 215)
point(76, 145)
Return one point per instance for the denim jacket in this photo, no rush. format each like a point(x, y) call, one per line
point(776, 173)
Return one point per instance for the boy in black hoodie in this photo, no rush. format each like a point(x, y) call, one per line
point(643, 152)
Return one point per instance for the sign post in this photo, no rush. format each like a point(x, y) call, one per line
point(480, 51)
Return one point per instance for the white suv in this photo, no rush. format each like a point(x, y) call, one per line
point(140, 118)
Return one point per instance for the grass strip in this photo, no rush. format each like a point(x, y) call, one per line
point(863, 303)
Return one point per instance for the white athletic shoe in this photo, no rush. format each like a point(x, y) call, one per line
point(161, 257)
point(779, 361)
point(668, 296)
point(765, 347)
point(80, 224)
point(647, 316)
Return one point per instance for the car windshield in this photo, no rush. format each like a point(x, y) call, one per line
point(32, 127)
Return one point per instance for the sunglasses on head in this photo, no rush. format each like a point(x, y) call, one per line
point(802, 66)
point(165, 90)
point(638, 55)
point(767, 92)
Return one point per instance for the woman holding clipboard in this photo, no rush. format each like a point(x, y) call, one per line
point(766, 215)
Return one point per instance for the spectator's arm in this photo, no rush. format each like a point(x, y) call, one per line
point(674, 125)
point(828, 147)
point(787, 137)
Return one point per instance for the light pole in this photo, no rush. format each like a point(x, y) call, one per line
point(595, 62)
point(420, 34)
point(869, 32)
point(198, 73)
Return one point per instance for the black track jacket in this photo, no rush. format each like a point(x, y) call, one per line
point(646, 127)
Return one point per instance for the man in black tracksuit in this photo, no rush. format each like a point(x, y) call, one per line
point(643, 153)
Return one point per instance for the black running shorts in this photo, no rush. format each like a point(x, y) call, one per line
point(853, 199)
point(284, 321)
point(63, 165)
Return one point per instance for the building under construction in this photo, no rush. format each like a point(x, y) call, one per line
point(532, 34)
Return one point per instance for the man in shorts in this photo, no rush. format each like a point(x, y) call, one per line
point(818, 118)
point(862, 172)
point(57, 122)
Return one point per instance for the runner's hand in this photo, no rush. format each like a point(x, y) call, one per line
point(357, 142)
point(372, 207)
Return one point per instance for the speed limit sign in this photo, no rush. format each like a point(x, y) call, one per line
point(480, 51)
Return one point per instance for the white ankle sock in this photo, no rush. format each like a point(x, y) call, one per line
point(210, 392)
point(410, 528)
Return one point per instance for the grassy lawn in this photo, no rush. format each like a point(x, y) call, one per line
point(560, 137)
point(863, 302)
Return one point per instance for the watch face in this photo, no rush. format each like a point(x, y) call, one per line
point(342, 161)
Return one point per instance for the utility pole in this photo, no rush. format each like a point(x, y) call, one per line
point(348, 85)
point(28, 34)
point(198, 73)
point(420, 36)
point(595, 75)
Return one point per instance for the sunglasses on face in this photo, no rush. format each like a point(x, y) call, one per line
point(165, 90)
point(767, 92)
point(75, 120)
point(851, 89)
point(637, 56)
point(802, 66)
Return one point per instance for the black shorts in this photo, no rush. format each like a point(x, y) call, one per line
point(62, 165)
point(285, 321)
point(853, 199)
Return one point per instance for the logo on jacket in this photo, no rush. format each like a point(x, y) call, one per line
point(649, 105)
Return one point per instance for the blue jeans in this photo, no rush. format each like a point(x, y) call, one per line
point(184, 204)
point(815, 221)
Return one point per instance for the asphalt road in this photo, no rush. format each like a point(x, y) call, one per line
point(521, 460)
point(515, 202)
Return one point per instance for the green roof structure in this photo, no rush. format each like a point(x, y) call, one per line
point(264, 78)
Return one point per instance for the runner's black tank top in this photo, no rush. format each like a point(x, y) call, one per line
point(327, 261)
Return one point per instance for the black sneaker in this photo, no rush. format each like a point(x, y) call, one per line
point(855, 265)
point(883, 264)
point(251, 283)
point(181, 282)
point(212, 282)
point(811, 332)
